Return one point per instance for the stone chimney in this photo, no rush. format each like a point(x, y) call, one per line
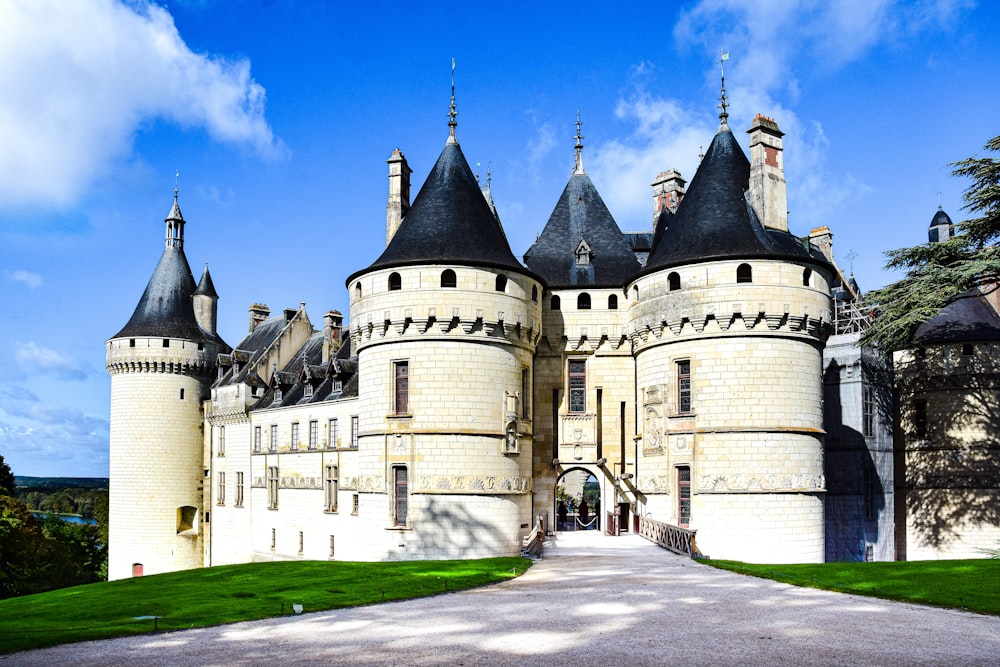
point(822, 238)
point(332, 324)
point(258, 313)
point(399, 193)
point(668, 191)
point(768, 191)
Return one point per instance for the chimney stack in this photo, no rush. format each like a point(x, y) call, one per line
point(768, 191)
point(668, 191)
point(258, 313)
point(399, 193)
point(332, 324)
point(822, 238)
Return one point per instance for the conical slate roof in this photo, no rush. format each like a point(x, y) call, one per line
point(581, 215)
point(205, 286)
point(715, 220)
point(940, 218)
point(968, 318)
point(450, 222)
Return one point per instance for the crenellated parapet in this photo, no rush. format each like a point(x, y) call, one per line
point(161, 355)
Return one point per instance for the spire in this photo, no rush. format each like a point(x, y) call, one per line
point(724, 103)
point(579, 146)
point(452, 112)
point(175, 221)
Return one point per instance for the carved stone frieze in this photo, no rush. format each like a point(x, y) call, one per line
point(476, 484)
point(751, 483)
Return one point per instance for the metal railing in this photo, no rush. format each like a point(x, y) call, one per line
point(673, 538)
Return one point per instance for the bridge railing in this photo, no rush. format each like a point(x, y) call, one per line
point(673, 538)
point(535, 539)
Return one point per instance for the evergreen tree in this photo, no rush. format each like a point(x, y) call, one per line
point(938, 274)
point(6, 478)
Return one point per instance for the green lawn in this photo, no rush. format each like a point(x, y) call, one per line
point(960, 584)
point(211, 596)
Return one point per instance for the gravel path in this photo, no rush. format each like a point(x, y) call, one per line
point(592, 600)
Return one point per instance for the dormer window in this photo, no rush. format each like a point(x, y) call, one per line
point(307, 390)
point(583, 254)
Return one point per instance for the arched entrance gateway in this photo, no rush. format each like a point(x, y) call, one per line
point(585, 499)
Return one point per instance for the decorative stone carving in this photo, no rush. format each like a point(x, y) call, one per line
point(762, 483)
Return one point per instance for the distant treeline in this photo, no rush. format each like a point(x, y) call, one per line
point(61, 482)
point(89, 503)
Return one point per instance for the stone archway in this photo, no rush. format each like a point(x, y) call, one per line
point(578, 502)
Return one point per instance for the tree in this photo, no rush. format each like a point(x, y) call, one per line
point(6, 478)
point(938, 274)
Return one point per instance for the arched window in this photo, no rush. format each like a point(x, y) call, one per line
point(674, 281)
point(556, 303)
point(357, 291)
point(744, 274)
point(448, 278)
point(613, 302)
point(395, 282)
point(635, 293)
point(583, 301)
point(534, 293)
point(806, 275)
point(501, 283)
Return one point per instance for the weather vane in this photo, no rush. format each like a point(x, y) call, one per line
point(850, 257)
point(723, 57)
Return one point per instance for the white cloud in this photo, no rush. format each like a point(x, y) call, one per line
point(79, 78)
point(34, 358)
point(29, 278)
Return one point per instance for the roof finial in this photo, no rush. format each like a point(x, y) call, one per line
point(724, 115)
point(939, 200)
point(177, 180)
point(452, 112)
point(477, 172)
point(489, 174)
point(579, 146)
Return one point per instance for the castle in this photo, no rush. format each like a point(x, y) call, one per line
point(686, 369)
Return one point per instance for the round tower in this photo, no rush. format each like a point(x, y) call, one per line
point(728, 321)
point(445, 324)
point(161, 364)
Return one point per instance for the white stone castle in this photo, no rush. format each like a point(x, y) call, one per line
point(682, 367)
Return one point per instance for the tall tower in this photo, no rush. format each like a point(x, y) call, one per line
point(161, 365)
point(445, 324)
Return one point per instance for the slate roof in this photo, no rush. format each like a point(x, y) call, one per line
point(715, 220)
point(969, 318)
point(581, 214)
point(165, 309)
point(940, 218)
point(205, 286)
point(306, 369)
point(450, 222)
point(237, 365)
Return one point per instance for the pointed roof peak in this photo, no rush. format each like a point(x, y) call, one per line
point(578, 169)
point(205, 286)
point(452, 111)
point(723, 100)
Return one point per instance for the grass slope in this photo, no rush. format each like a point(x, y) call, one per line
point(212, 596)
point(973, 585)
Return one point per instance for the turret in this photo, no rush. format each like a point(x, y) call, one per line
point(941, 227)
point(161, 365)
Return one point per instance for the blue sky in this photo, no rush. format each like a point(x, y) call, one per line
point(279, 116)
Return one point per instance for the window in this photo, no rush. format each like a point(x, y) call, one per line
point(613, 302)
point(187, 517)
point(295, 436)
point(583, 301)
point(525, 393)
point(239, 489)
point(684, 496)
point(869, 494)
point(331, 435)
point(136, 569)
point(395, 282)
point(501, 283)
point(448, 278)
point(967, 350)
point(354, 432)
point(744, 274)
point(274, 537)
point(357, 291)
point(920, 418)
point(534, 293)
point(674, 281)
point(556, 302)
point(221, 496)
point(256, 439)
point(331, 546)
point(684, 386)
point(182, 395)
point(331, 483)
point(635, 293)
point(274, 438)
point(272, 490)
point(222, 441)
point(166, 342)
point(313, 434)
point(867, 411)
point(302, 542)
point(400, 495)
point(401, 385)
point(806, 277)
point(307, 390)
point(131, 342)
point(577, 385)
point(354, 503)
